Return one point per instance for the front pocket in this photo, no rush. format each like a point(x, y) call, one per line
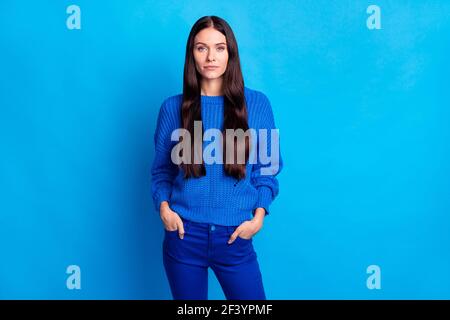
point(243, 239)
point(238, 238)
point(170, 233)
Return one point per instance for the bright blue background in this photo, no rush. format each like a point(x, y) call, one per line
point(364, 124)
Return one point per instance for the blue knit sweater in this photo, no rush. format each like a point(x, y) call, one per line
point(215, 198)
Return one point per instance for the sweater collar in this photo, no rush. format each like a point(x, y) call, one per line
point(212, 99)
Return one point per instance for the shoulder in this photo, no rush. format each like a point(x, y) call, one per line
point(169, 111)
point(260, 114)
point(172, 102)
point(171, 105)
point(257, 97)
point(256, 100)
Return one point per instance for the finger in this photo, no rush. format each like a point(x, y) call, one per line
point(233, 237)
point(180, 229)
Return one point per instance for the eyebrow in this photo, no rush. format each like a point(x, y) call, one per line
point(206, 44)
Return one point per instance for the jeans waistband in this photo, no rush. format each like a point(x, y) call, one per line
point(207, 226)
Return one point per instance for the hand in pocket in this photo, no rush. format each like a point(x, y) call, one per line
point(171, 220)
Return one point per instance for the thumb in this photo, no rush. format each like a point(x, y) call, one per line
point(180, 229)
point(234, 236)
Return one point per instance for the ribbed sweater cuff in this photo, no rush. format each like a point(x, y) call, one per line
point(160, 196)
point(264, 198)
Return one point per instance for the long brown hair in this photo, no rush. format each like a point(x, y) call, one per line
point(235, 110)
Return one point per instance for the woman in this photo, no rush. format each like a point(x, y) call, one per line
point(212, 209)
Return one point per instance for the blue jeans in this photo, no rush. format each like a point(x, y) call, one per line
point(186, 262)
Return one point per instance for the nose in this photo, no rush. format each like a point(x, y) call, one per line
point(210, 56)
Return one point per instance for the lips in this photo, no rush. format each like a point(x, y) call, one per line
point(211, 67)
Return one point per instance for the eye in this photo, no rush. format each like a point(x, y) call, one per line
point(221, 49)
point(200, 48)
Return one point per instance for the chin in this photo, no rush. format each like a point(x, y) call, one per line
point(212, 76)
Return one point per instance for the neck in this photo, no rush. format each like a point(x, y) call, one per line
point(212, 87)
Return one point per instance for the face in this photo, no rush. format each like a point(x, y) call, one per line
point(210, 49)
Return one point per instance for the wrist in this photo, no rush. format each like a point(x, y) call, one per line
point(259, 215)
point(164, 205)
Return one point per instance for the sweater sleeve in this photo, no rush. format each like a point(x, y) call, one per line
point(163, 169)
point(265, 170)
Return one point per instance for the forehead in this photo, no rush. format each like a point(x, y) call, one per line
point(210, 36)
